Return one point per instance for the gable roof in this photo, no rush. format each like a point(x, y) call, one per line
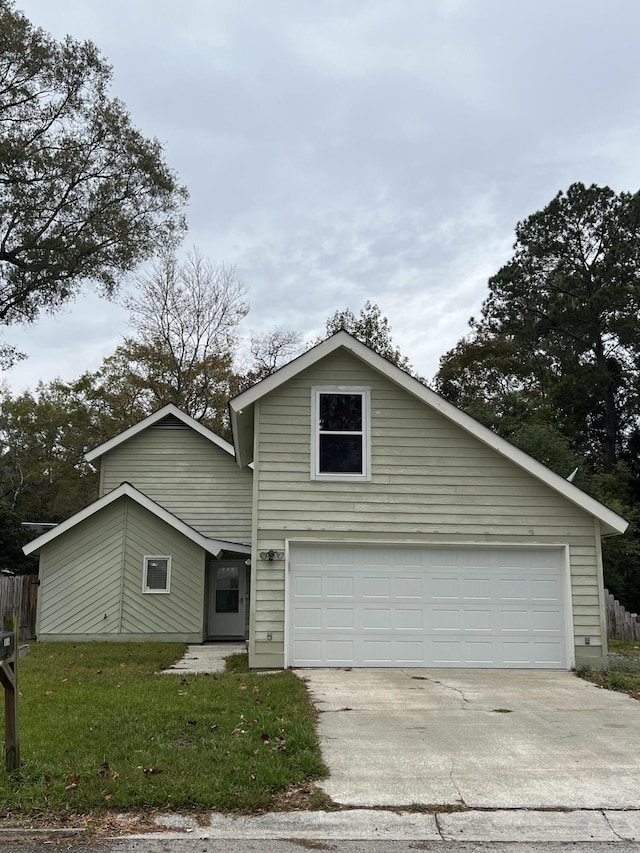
point(242, 416)
point(169, 410)
point(212, 546)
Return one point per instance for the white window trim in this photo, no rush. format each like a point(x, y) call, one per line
point(365, 393)
point(145, 588)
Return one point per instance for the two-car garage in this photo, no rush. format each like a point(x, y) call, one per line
point(389, 606)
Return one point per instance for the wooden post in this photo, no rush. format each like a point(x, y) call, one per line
point(9, 680)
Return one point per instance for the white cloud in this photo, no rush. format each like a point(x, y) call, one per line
point(371, 150)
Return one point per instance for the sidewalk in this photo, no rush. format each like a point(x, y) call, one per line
point(483, 826)
point(208, 657)
point(500, 825)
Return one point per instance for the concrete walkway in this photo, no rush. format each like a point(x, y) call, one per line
point(208, 657)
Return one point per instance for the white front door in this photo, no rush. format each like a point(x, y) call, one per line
point(439, 607)
point(227, 599)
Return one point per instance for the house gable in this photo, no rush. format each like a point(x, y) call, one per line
point(91, 577)
point(428, 475)
point(242, 410)
point(184, 467)
point(169, 414)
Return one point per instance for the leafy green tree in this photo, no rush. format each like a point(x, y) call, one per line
point(84, 196)
point(12, 537)
point(43, 437)
point(560, 324)
point(370, 327)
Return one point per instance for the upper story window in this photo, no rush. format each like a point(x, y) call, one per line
point(340, 434)
point(157, 574)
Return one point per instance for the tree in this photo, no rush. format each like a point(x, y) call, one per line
point(43, 437)
point(12, 537)
point(372, 329)
point(83, 195)
point(560, 325)
point(269, 352)
point(185, 318)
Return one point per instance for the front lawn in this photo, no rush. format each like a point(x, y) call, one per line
point(101, 728)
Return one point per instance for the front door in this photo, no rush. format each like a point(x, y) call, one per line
point(227, 595)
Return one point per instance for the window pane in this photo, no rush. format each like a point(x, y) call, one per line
point(157, 574)
point(340, 454)
point(341, 412)
point(227, 589)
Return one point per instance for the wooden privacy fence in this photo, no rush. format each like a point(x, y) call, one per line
point(621, 625)
point(19, 595)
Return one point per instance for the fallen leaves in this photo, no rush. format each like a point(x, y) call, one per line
point(106, 772)
point(75, 779)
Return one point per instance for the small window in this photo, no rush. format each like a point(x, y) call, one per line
point(340, 434)
point(157, 574)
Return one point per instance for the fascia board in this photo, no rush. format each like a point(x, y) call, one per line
point(169, 409)
point(212, 546)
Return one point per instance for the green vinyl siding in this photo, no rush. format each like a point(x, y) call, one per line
point(182, 610)
point(431, 483)
point(80, 576)
point(91, 580)
point(188, 475)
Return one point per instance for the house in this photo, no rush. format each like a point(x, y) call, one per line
point(162, 554)
point(388, 528)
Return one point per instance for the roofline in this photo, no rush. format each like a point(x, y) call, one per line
point(298, 364)
point(614, 524)
point(212, 546)
point(169, 409)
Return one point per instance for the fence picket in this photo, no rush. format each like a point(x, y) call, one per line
point(621, 625)
point(20, 595)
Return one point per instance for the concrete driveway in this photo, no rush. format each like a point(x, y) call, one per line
point(481, 738)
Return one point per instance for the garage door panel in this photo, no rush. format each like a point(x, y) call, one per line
point(377, 618)
point(478, 653)
point(309, 652)
point(444, 588)
point(307, 586)
point(515, 620)
point(409, 620)
point(545, 621)
point(547, 589)
point(305, 618)
point(477, 620)
point(512, 589)
point(336, 586)
point(410, 653)
point(445, 620)
point(408, 587)
point(376, 587)
point(342, 618)
point(339, 652)
point(493, 609)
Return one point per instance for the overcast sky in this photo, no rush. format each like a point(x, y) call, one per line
point(343, 150)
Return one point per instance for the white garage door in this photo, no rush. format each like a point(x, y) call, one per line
point(388, 606)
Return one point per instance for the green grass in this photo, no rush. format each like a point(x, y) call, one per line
point(628, 648)
point(102, 729)
point(623, 674)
